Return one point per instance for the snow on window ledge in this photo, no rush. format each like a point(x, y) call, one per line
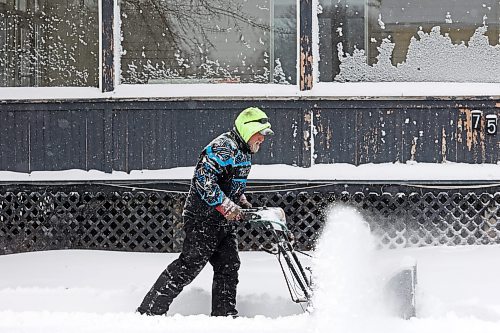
point(50, 93)
point(406, 89)
point(323, 90)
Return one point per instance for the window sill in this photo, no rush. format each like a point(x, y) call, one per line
point(323, 90)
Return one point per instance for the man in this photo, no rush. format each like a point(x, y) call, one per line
point(214, 203)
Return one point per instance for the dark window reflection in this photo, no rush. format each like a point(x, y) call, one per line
point(210, 41)
point(47, 43)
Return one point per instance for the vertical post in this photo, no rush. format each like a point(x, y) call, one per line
point(306, 52)
point(271, 42)
point(366, 36)
point(107, 45)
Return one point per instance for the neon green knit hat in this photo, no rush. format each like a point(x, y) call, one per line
point(251, 121)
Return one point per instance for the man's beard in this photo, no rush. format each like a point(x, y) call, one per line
point(254, 147)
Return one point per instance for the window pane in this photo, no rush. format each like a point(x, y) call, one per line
point(46, 43)
point(409, 40)
point(339, 22)
point(208, 41)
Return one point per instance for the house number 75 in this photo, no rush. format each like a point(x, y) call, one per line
point(491, 121)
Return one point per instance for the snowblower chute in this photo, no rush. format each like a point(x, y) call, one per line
point(400, 289)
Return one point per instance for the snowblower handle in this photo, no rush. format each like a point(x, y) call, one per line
point(250, 216)
point(266, 217)
point(273, 220)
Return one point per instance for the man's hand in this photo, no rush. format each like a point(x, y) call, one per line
point(230, 210)
point(244, 203)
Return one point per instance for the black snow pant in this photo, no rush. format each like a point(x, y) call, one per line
point(204, 242)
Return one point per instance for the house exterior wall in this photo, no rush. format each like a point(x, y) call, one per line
point(137, 135)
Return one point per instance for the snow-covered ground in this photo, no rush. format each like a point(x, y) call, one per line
point(98, 291)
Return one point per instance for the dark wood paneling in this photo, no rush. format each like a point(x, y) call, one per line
point(151, 149)
point(95, 136)
point(39, 149)
point(108, 138)
point(335, 141)
point(134, 135)
point(290, 144)
point(427, 133)
point(14, 141)
point(7, 140)
point(474, 146)
point(22, 150)
point(194, 129)
point(136, 128)
point(120, 144)
point(164, 135)
point(58, 140)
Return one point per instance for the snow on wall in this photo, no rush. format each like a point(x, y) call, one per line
point(428, 60)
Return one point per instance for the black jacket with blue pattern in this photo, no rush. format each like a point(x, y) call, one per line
point(221, 172)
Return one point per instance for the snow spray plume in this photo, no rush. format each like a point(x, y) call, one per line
point(346, 286)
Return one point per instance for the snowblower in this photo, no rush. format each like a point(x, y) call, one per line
point(400, 289)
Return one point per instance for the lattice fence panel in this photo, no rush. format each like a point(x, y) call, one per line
point(48, 218)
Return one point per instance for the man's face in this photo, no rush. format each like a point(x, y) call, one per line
point(255, 141)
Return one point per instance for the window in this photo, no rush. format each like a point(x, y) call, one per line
point(409, 40)
point(208, 41)
point(49, 43)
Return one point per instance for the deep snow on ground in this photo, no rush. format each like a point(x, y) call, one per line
point(98, 291)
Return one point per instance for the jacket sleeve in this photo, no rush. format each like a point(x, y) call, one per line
point(212, 164)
